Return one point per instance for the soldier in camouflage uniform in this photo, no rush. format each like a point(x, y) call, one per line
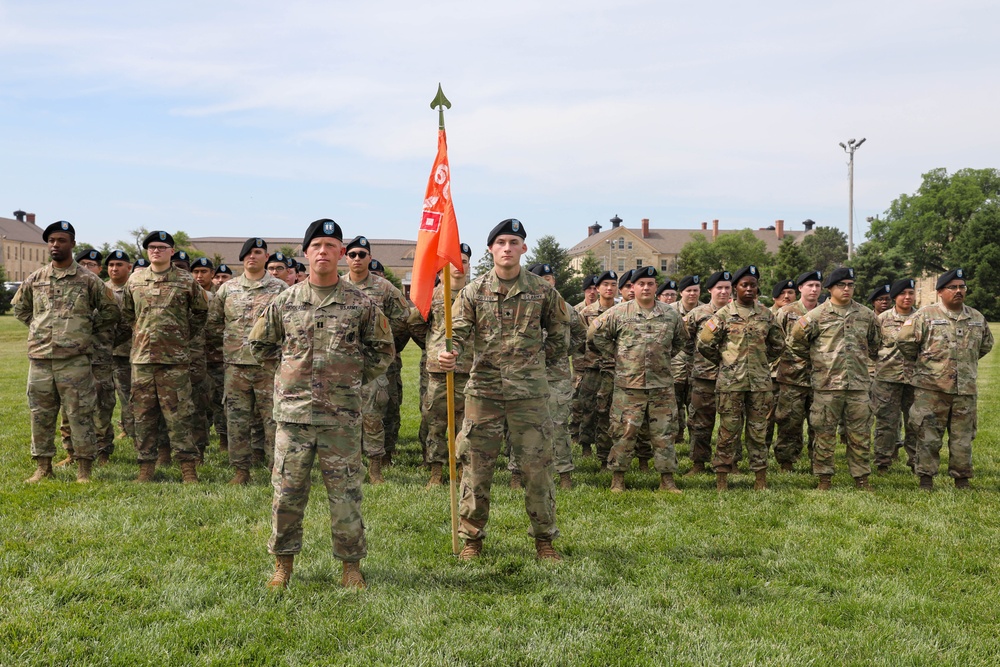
point(892, 393)
point(430, 336)
point(783, 294)
point(644, 446)
point(391, 420)
point(667, 292)
point(689, 289)
point(582, 404)
point(376, 393)
point(249, 385)
point(119, 267)
point(223, 274)
point(946, 340)
point(837, 338)
point(164, 308)
point(743, 339)
point(198, 368)
point(642, 336)
point(701, 411)
point(66, 308)
point(325, 339)
point(794, 387)
point(879, 299)
point(203, 270)
point(506, 312)
point(598, 379)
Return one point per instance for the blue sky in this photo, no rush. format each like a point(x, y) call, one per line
point(255, 118)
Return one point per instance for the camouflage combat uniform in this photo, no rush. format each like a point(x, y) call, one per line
point(838, 342)
point(597, 382)
point(582, 404)
point(65, 310)
point(104, 387)
point(892, 394)
point(323, 344)
point(743, 341)
point(249, 386)
point(680, 368)
point(216, 369)
point(121, 368)
point(201, 388)
point(508, 384)
point(642, 343)
point(946, 347)
point(701, 410)
point(164, 312)
point(795, 393)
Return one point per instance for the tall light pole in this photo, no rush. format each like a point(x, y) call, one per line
point(851, 146)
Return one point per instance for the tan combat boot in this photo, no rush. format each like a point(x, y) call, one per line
point(471, 550)
point(825, 482)
point(436, 476)
point(544, 551)
point(83, 469)
point(352, 577)
point(189, 472)
point(862, 483)
point(565, 480)
point(760, 483)
point(375, 470)
point(588, 451)
point(618, 482)
point(721, 481)
point(643, 465)
point(668, 484)
point(242, 477)
point(515, 481)
point(786, 466)
point(696, 469)
point(103, 459)
point(282, 572)
point(163, 456)
point(43, 470)
point(926, 483)
point(146, 471)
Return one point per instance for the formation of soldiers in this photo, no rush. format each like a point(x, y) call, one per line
point(294, 366)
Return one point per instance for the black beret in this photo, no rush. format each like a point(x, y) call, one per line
point(466, 250)
point(250, 244)
point(624, 279)
point(290, 262)
point(278, 257)
point(808, 276)
point(879, 292)
point(300, 267)
point(588, 282)
point(140, 263)
point(750, 270)
point(717, 277)
point(508, 226)
point(823, 297)
point(945, 278)
point(644, 272)
point(180, 256)
point(58, 226)
point(900, 285)
point(162, 237)
point(322, 227)
point(376, 265)
point(837, 275)
point(224, 268)
point(202, 263)
point(607, 275)
point(92, 255)
point(668, 285)
point(688, 281)
point(541, 269)
point(360, 242)
point(117, 256)
point(780, 287)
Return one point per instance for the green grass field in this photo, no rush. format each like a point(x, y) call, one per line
point(119, 574)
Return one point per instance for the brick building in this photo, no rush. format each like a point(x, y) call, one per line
point(22, 250)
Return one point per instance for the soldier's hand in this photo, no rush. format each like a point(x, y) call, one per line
point(447, 360)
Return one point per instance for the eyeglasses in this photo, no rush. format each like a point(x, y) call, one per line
point(357, 255)
point(957, 288)
point(158, 248)
point(844, 285)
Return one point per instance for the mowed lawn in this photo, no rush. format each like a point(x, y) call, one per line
point(163, 574)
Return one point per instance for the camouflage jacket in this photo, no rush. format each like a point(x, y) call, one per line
point(504, 329)
point(576, 340)
point(837, 342)
point(791, 369)
point(122, 340)
point(680, 365)
point(642, 343)
point(429, 334)
point(66, 310)
point(744, 342)
point(235, 309)
point(322, 352)
point(164, 312)
point(702, 368)
point(390, 300)
point(946, 348)
point(213, 333)
point(892, 366)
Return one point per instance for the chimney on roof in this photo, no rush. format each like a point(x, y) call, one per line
point(615, 222)
point(31, 218)
point(715, 230)
point(808, 224)
point(19, 214)
point(779, 228)
point(704, 226)
point(645, 228)
point(594, 229)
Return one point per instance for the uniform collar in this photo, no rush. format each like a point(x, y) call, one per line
point(521, 283)
point(68, 271)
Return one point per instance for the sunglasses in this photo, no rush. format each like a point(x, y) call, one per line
point(357, 255)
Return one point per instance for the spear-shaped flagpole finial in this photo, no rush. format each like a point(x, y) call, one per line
point(440, 102)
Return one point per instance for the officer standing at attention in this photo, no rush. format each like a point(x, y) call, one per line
point(838, 338)
point(743, 339)
point(946, 340)
point(892, 393)
point(689, 290)
point(642, 336)
point(506, 312)
point(597, 385)
point(783, 294)
point(667, 292)
point(329, 339)
point(581, 404)
point(66, 308)
point(119, 267)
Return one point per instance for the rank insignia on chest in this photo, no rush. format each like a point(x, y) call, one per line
point(508, 313)
point(319, 324)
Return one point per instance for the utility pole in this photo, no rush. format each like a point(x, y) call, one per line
point(851, 146)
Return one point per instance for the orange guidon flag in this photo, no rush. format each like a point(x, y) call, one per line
point(437, 241)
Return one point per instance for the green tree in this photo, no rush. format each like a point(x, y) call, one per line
point(977, 250)
point(548, 251)
point(825, 248)
point(288, 250)
point(394, 279)
point(729, 252)
point(484, 265)
point(875, 264)
point(134, 248)
point(590, 265)
point(697, 257)
point(790, 261)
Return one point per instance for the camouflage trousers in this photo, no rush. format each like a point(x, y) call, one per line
point(560, 401)
point(933, 413)
point(201, 397)
point(67, 384)
point(581, 406)
point(586, 405)
point(121, 369)
point(828, 409)
point(338, 449)
point(249, 394)
point(104, 431)
point(435, 407)
point(631, 409)
point(390, 417)
point(162, 393)
point(892, 401)
point(530, 433)
point(794, 403)
point(739, 411)
point(422, 432)
point(595, 429)
point(682, 391)
point(701, 419)
point(769, 433)
point(217, 416)
point(374, 397)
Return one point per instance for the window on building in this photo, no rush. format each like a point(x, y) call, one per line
point(621, 263)
point(638, 263)
point(663, 265)
point(621, 242)
point(629, 245)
